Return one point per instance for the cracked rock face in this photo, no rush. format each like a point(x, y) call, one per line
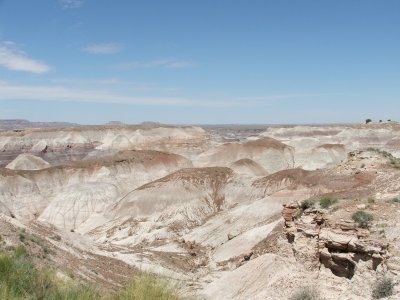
point(318, 240)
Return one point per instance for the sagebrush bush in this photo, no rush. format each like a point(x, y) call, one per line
point(383, 287)
point(327, 202)
point(25, 237)
point(362, 218)
point(396, 200)
point(309, 203)
point(306, 293)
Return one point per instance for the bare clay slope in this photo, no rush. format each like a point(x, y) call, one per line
point(223, 220)
point(28, 162)
point(325, 146)
point(269, 153)
point(323, 247)
point(60, 194)
point(170, 205)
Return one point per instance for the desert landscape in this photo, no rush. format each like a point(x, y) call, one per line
point(272, 211)
point(199, 150)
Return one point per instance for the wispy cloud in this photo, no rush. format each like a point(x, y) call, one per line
point(71, 3)
point(279, 97)
point(180, 64)
point(108, 48)
point(135, 85)
point(56, 93)
point(14, 59)
point(159, 63)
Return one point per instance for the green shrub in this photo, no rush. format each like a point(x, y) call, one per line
point(396, 200)
point(327, 202)
point(25, 237)
point(306, 293)
point(309, 203)
point(147, 287)
point(17, 273)
point(394, 161)
point(298, 214)
point(383, 287)
point(20, 279)
point(362, 218)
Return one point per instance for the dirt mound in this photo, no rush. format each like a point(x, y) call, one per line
point(28, 162)
point(265, 142)
point(330, 181)
point(295, 175)
point(199, 176)
point(147, 157)
point(270, 154)
point(248, 167)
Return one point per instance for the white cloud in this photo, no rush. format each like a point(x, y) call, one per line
point(159, 63)
point(103, 49)
point(181, 64)
point(280, 97)
point(57, 93)
point(14, 59)
point(71, 3)
point(135, 85)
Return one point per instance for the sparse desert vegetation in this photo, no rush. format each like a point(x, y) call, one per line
point(306, 293)
point(383, 287)
point(327, 202)
point(149, 286)
point(362, 218)
point(306, 204)
point(395, 200)
point(21, 279)
point(394, 161)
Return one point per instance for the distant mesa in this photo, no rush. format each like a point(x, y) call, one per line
point(149, 123)
point(15, 124)
point(115, 123)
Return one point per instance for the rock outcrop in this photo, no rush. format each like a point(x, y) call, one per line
point(317, 240)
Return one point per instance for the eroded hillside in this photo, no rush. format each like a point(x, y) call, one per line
point(236, 220)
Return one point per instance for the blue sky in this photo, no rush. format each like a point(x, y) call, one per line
point(208, 61)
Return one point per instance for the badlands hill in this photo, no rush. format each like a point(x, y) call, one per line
point(28, 162)
point(237, 220)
